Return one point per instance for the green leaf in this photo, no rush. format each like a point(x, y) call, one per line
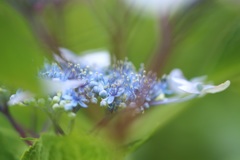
point(198, 40)
point(83, 31)
point(20, 54)
point(207, 130)
point(29, 116)
point(74, 146)
point(11, 145)
point(142, 40)
point(146, 126)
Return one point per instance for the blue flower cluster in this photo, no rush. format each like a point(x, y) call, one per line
point(74, 85)
point(114, 87)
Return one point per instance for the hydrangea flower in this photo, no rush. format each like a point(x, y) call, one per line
point(20, 97)
point(74, 85)
point(72, 99)
point(179, 83)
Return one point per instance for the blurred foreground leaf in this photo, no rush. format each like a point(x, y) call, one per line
point(150, 122)
point(199, 40)
point(83, 31)
point(74, 146)
point(20, 54)
point(11, 145)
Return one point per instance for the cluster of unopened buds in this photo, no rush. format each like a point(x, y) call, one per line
point(76, 82)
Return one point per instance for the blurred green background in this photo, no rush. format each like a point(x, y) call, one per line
point(205, 40)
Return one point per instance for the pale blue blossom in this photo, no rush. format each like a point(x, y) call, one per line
point(20, 97)
point(72, 85)
point(179, 84)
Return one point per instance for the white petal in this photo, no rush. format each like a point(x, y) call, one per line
point(215, 89)
point(181, 82)
point(19, 97)
point(199, 79)
point(53, 86)
point(68, 55)
point(177, 79)
point(189, 89)
point(157, 7)
point(177, 73)
point(176, 99)
point(95, 58)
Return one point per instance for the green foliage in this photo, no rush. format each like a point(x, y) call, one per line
point(205, 42)
point(207, 34)
point(73, 146)
point(34, 118)
point(11, 145)
point(20, 55)
point(147, 125)
point(83, 31)
point(208, 129)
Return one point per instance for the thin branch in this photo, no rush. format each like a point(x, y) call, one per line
point(14, 124)
point(160, 58)
point(102, 123)
point(57, 128)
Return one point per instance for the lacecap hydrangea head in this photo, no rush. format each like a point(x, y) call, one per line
point(74, 84)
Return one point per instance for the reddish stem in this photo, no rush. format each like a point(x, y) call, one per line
point(159, 59)
point(15, 125)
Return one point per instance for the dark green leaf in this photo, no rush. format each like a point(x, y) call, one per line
point(74, 146)
point(11, 145)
